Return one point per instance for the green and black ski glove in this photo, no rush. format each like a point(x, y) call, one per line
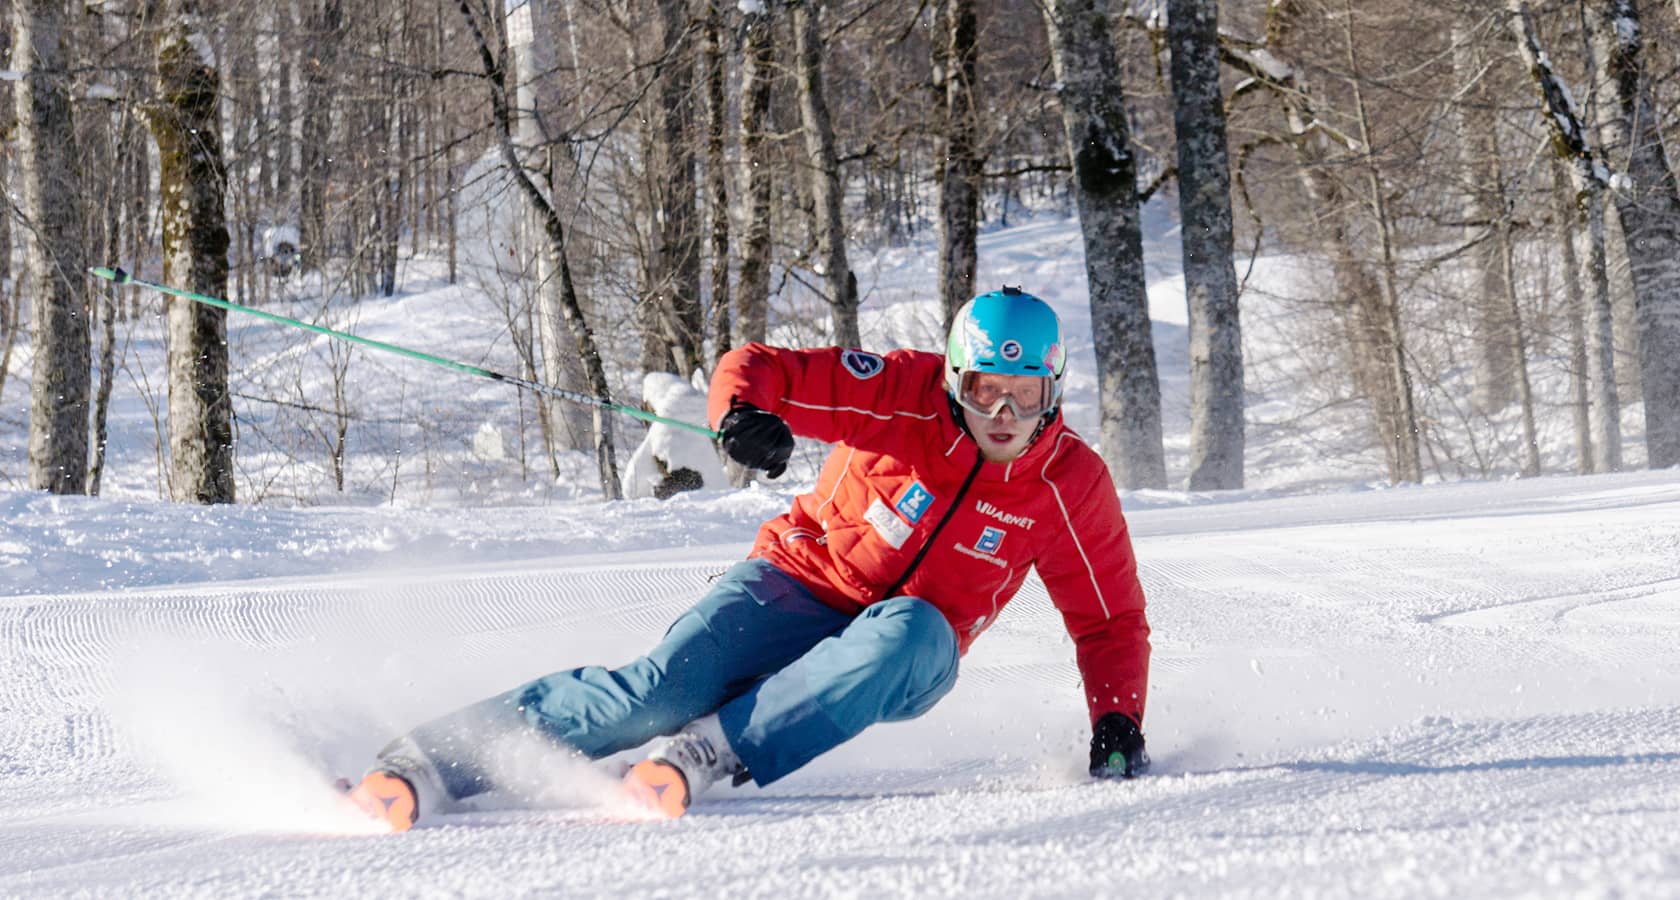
point(1117, 748)
point(756, 438)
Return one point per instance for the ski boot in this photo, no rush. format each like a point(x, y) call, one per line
point(402, 788)
point(683, 766)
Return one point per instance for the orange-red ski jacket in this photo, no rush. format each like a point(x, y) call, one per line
point(906, 506)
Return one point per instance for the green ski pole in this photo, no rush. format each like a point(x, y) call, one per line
point(118, 276)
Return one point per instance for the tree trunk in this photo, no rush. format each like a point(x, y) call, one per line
point(827, 187)
point(1402, 423)
point(1105, 191)
point(1572, 143)
point(1650, 214)
point(186, 123)
point(717, 177)
point(1519, 349)
point(325, 27)
point(1580, 397)
point(1210, 281)
point(277, 187)
point(959, 178)
point(8, 122)
point(679, 322)
point(758, 70)
point(126, 145)
point(494, 61)
point(1474, 132)
point(567, 426)
point(1360, 300)
point(61, 380)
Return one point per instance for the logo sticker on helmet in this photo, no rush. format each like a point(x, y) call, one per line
point(1011, 350)
point(862, 364)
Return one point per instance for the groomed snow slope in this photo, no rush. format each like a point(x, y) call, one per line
point(1467, 690)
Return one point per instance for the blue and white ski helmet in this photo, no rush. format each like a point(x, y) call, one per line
point(1010, 332)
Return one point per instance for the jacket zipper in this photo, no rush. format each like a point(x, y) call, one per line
point(979, 460)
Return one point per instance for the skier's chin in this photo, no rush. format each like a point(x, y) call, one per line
point(1001, 441)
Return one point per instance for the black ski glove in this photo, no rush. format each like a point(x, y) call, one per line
point(1117, 748)
point(756, 438)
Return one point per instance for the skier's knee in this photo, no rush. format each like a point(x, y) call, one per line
point(925, 639)
point(919, 624)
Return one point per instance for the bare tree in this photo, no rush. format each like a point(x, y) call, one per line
point(1475, 140)
point(8, 297)
point(717, 175)
point(324, 25)
point(1401, 432)
point(827, 188)
point(493, 60)
point(673, 343)
point(1506, 243)
point(1650, 214)
point(186, 123)
point(1210, 281)
point(1572, 142)
point(1105, 189)
point(955, 53)
point(1580, 390)
point(61, 381)
point(758, 70)
point(546, 152)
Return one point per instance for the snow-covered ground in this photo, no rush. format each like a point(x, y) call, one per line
point(1453, 690)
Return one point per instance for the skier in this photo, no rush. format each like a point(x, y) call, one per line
point(950, 478)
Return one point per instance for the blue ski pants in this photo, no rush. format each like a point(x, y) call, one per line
point(789, 677)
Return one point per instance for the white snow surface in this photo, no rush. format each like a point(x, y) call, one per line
point(1461, 690)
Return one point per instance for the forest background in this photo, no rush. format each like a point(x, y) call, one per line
point(1475, 198)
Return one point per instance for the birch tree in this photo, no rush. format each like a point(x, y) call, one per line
point(1572, 143)
point(50, 189)
point(541, 133)
point(1650, 214)
point(1105, 192)
point(1210, 281)
point(186, 124)
point(493, 59)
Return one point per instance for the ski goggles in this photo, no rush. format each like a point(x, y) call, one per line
point(987, 393)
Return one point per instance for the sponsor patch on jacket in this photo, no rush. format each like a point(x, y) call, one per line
point(990, 540)
point(862, 364)
point(887, 524)
point(1007, 518)
point(915, 502)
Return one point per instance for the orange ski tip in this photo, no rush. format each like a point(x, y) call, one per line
point(387, 798)
point(658, 787)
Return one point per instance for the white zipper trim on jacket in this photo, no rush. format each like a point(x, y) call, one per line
point(1068, 519)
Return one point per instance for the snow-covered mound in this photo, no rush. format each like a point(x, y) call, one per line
point(672, 459)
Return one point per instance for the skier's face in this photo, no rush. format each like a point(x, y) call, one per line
point(1003, 436)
